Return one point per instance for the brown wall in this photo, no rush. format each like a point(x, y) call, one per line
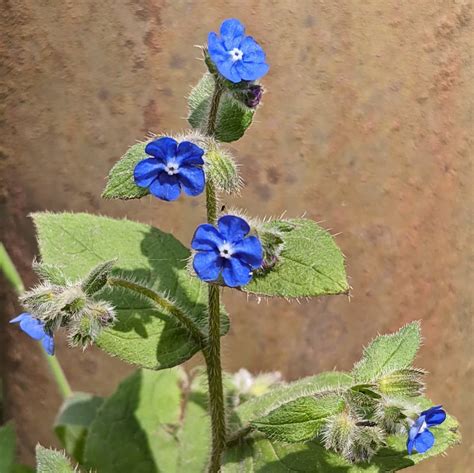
point(366, 125)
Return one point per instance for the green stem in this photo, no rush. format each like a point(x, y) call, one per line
point(58, 374)
point(9, 270)
point(212, 353)
point(163, 303)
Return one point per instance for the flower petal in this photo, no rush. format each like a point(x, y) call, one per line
point(410, 445)
point(206, 238)
point(236, 273)
point(207, 265)
point(190, 154)
point(20, 317)
point(215, 47)
point(147, 171)
point(233, 228)
point(33, 327)
point(163, 148)
point(228, 69)
point(232, 32)
point(48, 344)
point(192, 180)
point(434, 416)
point(424, 441)
point(252, 51)
point(251, 70)
point(250, 251)
point(166, 187)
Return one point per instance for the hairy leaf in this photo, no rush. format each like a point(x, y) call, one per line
point(73, 421)
point(143, 334)
point(233, 118)
point(388, 353)
point(299, 420)
point(320, 384)
point(120, 182)
point(51, 461)
point(150, 425)
point(310, 264)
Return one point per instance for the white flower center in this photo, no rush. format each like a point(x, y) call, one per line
point(423, 427)
point(172, 168)
point(226, 250)
point(236, 54)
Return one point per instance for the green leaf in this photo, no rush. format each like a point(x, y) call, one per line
point(51, 461)
point(120, 182)
point(9, 270)
point(388, 353)
point(143, 335)
point(233, 118)
point(97, 278)
point(299, 420)
point(309, 265)
point(261, 455)
point(150, 425)
point(73, 421)
point(7, 448)
point(320, 384)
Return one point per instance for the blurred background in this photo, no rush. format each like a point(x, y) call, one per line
point(366, 125)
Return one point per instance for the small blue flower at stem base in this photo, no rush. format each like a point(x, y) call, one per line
point(35, 329)
point(171, 168)
point(236, 56)
point(226, 251)
point(419, 437)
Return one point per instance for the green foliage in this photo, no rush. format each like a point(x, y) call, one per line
point(120, 182)
point(388, 353)
point(151, 425)
point(73, 421)
point(143, 334)
point(9, 270)
point(52, 461)
point(299, 420)
point(323, 383)
point(7, 448)
point(310, 263)
point(262, 455)
point(233, 118)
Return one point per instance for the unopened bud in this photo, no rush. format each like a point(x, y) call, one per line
point(406, 383)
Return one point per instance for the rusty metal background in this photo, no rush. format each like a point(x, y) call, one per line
point(366, 125)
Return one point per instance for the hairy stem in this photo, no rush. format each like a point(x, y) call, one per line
point(162, 303)
point(58, 374)
point(212, 353)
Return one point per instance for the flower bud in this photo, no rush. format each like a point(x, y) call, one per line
point(338, 432)
point(222, 170)
point(97, 278)
point(405, 383)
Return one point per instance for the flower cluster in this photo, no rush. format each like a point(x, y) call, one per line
point(57, 302)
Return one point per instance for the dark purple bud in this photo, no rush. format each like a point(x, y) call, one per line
point(253, 95)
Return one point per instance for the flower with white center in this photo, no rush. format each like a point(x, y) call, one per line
point(237, 56)
point(226, 251)
point(171, 168)
point(420, 437)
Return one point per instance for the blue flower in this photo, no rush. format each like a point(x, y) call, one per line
point(172, 167)
point(227, 251)
point(237, 57)
point(35, 329)
point(419, 437)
